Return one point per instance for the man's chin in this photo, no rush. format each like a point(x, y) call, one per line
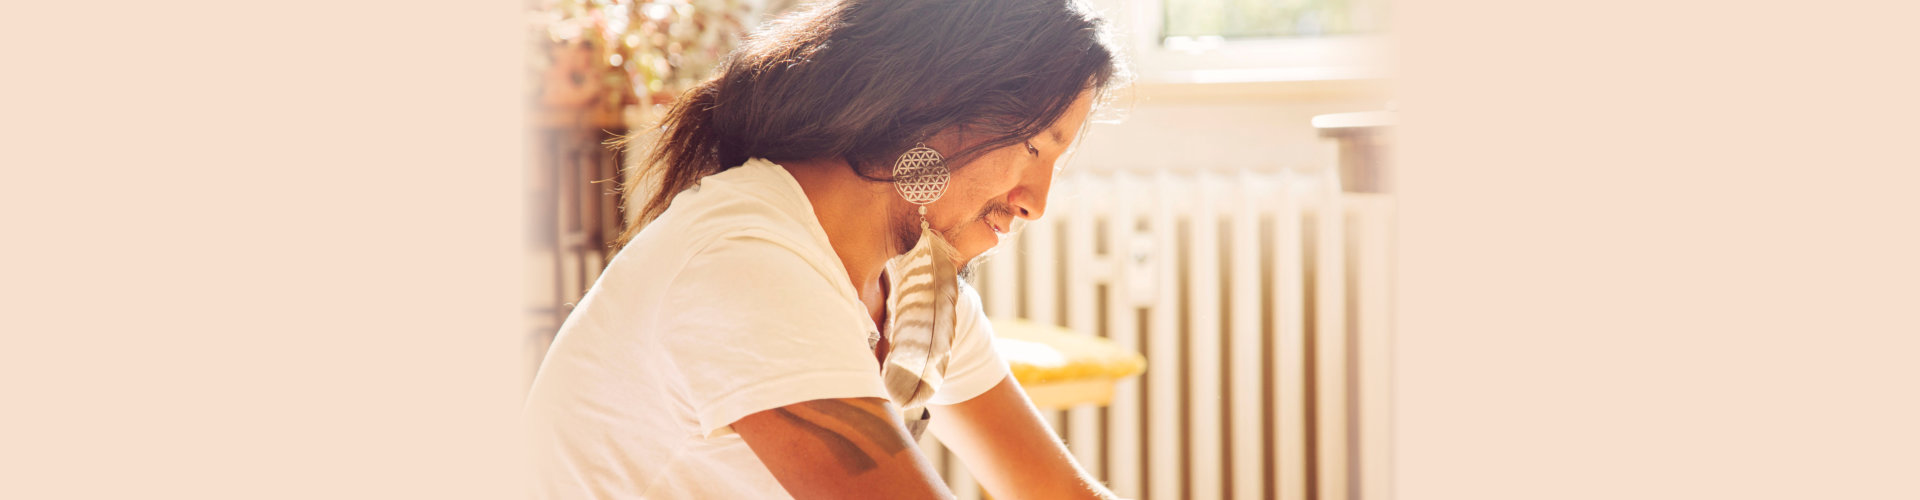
point(969, 264)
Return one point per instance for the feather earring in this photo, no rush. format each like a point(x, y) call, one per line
point(923, 296)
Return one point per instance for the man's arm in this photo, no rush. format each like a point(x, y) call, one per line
point(1008, 446)
point(841, 448)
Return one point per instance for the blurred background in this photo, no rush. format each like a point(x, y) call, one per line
point(1645, 249)
point(1229, 220)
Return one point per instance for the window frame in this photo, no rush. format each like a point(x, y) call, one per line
point(1158, 59)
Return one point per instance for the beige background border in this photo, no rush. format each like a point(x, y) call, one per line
point(261, 250)
point(1658, 250)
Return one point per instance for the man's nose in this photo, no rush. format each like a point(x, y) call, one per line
point(1029, 199)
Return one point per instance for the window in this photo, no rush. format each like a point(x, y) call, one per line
point(1243, 19)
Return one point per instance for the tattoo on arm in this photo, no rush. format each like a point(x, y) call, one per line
point(844, 451)
point(876, 429)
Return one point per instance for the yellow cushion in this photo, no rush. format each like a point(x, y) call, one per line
point(1039, 353)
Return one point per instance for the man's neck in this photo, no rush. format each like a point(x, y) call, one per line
point(852, 211)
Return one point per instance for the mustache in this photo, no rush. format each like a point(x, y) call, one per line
point(996, 208)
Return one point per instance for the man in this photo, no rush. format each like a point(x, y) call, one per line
point(789, 317)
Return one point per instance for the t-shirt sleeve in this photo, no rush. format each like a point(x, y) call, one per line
point(974, 367)
point(753, 326)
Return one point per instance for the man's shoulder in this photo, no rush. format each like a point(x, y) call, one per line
point(755, 200)
point(735, 236)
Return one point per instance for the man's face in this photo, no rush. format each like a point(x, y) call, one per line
point(984, 197)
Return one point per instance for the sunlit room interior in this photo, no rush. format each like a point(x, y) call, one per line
point(1203, 312)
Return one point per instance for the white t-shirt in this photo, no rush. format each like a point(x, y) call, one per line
point(730, 303)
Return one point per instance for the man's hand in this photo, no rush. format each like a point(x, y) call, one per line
point(841, 448)
point(1003, 440)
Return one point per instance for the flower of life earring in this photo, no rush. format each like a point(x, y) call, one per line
point(920, 175)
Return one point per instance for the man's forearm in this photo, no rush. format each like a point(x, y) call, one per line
point(1010, 448)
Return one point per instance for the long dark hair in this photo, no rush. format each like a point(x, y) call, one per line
point(863, 80)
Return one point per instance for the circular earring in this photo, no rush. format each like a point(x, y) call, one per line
point(920, 175)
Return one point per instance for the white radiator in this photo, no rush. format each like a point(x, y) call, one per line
point(1260, 302)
